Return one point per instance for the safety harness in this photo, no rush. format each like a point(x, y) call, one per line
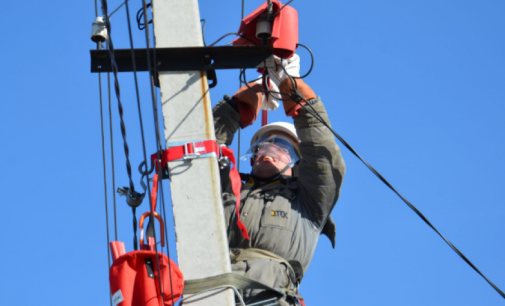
point(195, 150)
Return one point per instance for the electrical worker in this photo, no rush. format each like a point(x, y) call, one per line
point(286, 201)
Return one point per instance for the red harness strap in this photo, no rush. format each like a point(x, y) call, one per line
point(236, 185)
point(194, 150)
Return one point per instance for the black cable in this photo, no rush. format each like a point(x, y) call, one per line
point(98, 46)
point(240, 86)
point(282, 8)
point(104, 173)
point(312, 62)
point(112, 155)
point(118, 96)
point(140, 14)
point(242, 72)
point(314, 113)
point(225, 35)
point(203, 31)
point(117, 9)
point(152, 219)
point(248, 39)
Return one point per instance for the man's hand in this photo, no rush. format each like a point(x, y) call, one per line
point(283, 68)
point(283, 77)
point(249, 99)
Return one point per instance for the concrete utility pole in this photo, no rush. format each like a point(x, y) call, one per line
point(202, 245)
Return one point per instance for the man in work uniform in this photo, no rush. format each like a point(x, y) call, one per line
point(285, 206)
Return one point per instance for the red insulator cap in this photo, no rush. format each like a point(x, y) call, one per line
point(284, 29)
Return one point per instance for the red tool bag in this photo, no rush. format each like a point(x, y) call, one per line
point(134, 278)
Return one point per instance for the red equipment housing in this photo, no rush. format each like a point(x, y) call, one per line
point(284, 29)
point(134, 278)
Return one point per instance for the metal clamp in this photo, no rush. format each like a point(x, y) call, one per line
point(187, 155)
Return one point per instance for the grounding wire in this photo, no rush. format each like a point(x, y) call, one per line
point(314, 113)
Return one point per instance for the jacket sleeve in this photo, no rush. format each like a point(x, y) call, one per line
point(321, 168)
point(226, 120)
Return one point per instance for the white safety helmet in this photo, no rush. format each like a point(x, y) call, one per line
point(274, 138)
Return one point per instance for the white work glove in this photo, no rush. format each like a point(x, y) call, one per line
point(272, 102)
point(291, 67)
point(276, 76)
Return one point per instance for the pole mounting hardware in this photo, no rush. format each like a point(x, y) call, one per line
point(186, 59)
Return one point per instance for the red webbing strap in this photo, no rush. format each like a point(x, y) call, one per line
point(202, 147)
point(236, 185)
point(191, 149)
point(154, 193)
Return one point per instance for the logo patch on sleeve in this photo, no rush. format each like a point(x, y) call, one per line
point(117, 298)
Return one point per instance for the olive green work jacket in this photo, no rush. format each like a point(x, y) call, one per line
point(285, 217)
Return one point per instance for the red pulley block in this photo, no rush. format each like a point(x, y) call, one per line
point(284, 29)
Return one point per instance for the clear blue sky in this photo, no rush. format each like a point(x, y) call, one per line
point(417, 87)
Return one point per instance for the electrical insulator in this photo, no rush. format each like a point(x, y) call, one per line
point(98, 30)
point(263, 28)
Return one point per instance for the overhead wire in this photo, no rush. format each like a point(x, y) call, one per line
point(221, 38)
point(142, 127)
point(239, 86)
point(117, 9)
point(154, 74)
point(98, 46)
point(314, 113)
point(112, 156)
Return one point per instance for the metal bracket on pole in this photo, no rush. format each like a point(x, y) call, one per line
point(186, 59)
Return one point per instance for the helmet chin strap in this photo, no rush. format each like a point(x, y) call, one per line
point(271, 178)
